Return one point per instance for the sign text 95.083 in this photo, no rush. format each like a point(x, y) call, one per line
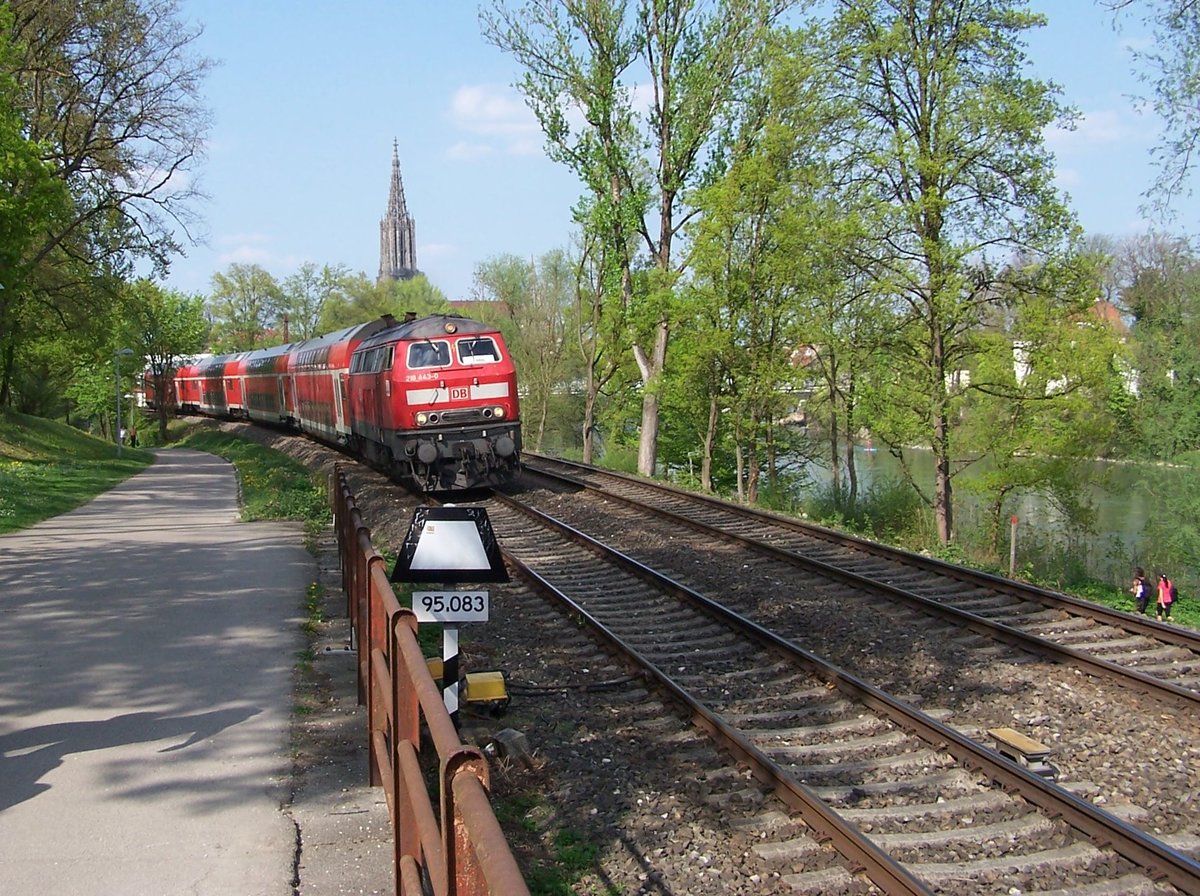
point(450, 606)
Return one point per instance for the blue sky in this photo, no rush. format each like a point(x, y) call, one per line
point(307, 99)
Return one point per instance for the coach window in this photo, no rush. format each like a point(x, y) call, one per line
point(477, 351)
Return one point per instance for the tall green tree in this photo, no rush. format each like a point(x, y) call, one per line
point(1162, 294)
point(109, 93)
point(169, 327)
point(599, 321)
point(578, 57)
point(538, 297)
point(948, 132)
point(245, 306)
point(32, 201)
point(305, 294)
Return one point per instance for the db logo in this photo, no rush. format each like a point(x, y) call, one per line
point(459, 393)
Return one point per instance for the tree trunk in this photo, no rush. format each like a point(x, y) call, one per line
point(6, 374)
point(710, 440)
point(651, 369)
point(835, 463)
point(741, 475)
point(648, 442)
point(752, 466)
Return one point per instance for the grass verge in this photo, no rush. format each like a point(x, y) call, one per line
point(274, 487)
point(48, 468)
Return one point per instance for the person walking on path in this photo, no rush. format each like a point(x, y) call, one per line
point(1166, 597)
point(1140, 589)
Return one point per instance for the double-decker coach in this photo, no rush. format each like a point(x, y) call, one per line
point(318, 369)
point(214, 386)
point(268, 389)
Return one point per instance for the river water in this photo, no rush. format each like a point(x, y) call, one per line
point(1116, 492)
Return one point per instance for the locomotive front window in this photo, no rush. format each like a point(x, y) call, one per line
point(428, 354)
point(478, 351)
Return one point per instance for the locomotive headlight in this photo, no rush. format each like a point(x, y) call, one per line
point(422, 418)
point(498, 412)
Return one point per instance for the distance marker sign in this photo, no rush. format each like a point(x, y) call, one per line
point(450, 606)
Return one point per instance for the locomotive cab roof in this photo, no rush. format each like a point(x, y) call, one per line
point(432, 327)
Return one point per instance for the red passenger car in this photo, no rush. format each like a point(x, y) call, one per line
point(213, 386)
point(318, 369)
point(268, 388)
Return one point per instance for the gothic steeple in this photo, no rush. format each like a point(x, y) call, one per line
point(397, 231)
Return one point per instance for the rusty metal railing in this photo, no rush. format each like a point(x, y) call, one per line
point(458, 849)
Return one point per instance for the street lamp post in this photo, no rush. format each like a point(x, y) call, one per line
point(121, 353)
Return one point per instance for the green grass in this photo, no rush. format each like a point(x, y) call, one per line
point(1185, 611)
point(274, 487)
point(48, 468)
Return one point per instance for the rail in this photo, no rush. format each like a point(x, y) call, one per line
point(457, 849)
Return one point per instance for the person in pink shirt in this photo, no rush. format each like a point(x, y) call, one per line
point(1166, 597)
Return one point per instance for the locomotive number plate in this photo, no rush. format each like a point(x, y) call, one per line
point(450, 606)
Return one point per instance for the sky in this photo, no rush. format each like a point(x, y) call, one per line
point(309, 98)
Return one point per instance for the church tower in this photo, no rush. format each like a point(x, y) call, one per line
point(397, 232)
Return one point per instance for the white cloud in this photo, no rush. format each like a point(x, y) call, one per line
point(469, 152)
point(491, 111)
point(1100, 127)
point(255, 248)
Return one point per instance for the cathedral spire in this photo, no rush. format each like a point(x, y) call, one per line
point(397, 231)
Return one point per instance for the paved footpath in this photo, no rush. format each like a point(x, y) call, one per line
point(147, 643)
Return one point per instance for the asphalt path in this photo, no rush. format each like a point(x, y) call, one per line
point(147, 645)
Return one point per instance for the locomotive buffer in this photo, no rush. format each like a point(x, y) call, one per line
point(454, 548)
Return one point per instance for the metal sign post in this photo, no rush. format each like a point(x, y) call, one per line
point(446, 545)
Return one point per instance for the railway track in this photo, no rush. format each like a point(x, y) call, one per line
point(885, 792)
point(670, 813)
point(1159, 659)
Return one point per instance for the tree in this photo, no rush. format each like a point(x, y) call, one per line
point(32, 201)
point(1038, 406)
point(575, 55)
point(538, 298)
point(1162, 294)
point(598, 325)
point(108, 91)
point(169, 326)
point(1170, 66)
point(359, 299)
point(305, 294)
point(245, 305)
point(948, 132)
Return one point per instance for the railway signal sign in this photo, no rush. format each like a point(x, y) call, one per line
point(450, 545)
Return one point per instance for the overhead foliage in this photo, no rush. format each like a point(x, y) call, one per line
point(948, 137)
point(1169, 65)
point(107, 93)
point(582, 62)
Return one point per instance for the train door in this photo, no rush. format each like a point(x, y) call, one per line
point(294, 407)
point(383, 391)
point(339, 401)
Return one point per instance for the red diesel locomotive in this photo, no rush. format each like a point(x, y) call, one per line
point(432, 400)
